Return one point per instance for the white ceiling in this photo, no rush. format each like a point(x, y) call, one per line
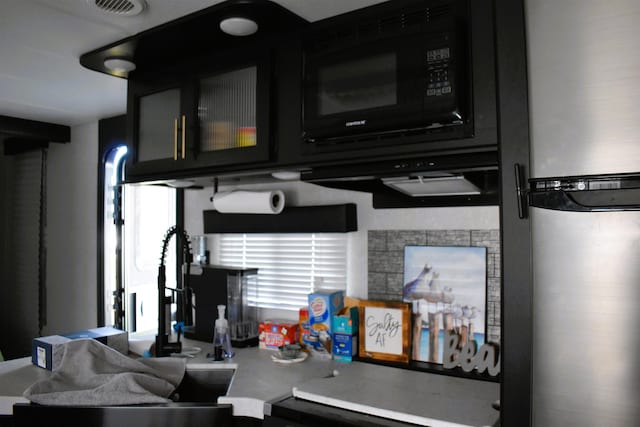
point(41, 42)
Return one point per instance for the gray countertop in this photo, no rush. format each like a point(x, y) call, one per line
point(419, 397)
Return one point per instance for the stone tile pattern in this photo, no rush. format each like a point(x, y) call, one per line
point(386, 263)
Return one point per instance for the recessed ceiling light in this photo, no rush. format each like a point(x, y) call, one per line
point(180, 183)
point(286, 175)
point(120, 65)
point(237, 26)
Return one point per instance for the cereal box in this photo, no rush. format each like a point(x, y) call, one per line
point(275, 333)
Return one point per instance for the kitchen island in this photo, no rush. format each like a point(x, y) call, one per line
point(415, 397)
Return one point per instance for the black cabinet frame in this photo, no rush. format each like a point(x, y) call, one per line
point(516, 310)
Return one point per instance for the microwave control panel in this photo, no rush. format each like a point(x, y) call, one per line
point(438, 75)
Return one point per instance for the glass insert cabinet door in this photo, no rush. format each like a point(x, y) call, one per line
point(220, 118)
point(227, 110)
point(158, 125)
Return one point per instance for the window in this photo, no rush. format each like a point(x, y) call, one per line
point(290, 265)
point(149, 211)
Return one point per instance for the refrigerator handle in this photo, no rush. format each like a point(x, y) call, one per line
point(521, 193)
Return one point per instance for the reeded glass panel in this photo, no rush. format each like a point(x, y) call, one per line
point(227, 110)
point(158, 112)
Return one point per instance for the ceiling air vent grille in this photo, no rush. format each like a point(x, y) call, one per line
point(119, 7)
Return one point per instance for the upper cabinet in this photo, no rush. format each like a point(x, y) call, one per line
point(211, 116)
point(201, 96)
point(400, 78)
point(407, 83)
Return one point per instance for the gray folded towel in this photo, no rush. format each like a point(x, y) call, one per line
point(92, 374)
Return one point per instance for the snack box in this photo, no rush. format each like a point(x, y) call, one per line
point(275, 333)
point(344, 347)
point(46, 352)
point(346, 321)
point(304, 330)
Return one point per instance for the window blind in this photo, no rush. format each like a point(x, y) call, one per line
point(290, 266)
point(26, 294)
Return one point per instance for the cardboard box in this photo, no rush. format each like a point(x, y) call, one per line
point(322, 306)
point(344, 347)
point(112, 337)
point(304, 330)
point(273, 334)
point(346, 321)
point(46, 352)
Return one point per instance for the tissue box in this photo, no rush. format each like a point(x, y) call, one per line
point(273, 334)
point(344, 347)
point(46, 352)
point(346, 322)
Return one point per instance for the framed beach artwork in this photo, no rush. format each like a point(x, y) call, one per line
point(447, 289)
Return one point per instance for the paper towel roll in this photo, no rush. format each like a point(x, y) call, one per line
point(259, 202)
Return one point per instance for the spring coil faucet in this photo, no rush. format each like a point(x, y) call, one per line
point(162, 346)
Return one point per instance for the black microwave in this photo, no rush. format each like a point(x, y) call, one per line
point(394, 69)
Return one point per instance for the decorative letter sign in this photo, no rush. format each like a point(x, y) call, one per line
point(384, 330)
point(468, 358)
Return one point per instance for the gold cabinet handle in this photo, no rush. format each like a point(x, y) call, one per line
point(184, 127)
point(175, 139)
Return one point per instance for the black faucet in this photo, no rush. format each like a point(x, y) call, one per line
point(163, 346)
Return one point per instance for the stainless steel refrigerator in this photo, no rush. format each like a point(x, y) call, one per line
point(584, 88)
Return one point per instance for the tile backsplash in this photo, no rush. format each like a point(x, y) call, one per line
point(386, 263)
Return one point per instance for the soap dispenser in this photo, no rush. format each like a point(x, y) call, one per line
point(221, 338)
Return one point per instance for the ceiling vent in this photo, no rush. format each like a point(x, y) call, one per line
point(119, 7)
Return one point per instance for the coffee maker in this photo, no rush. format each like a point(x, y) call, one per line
point(213, 285)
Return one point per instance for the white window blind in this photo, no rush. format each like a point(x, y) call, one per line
point(290, 266)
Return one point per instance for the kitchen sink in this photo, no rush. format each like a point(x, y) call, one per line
point(203, 385)
point(194, 404)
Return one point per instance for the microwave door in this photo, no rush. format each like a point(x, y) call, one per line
point(390, 86)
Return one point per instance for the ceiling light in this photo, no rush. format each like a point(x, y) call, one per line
point(237, 26)
point(120, 65)
point(180, 183)
point(286, 175)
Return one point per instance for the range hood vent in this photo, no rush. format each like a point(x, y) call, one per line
point(467, 179)
point(425, 186)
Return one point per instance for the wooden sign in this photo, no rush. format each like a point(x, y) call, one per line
point(385, 331)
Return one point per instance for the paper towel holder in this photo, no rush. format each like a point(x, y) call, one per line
point(242, 201)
